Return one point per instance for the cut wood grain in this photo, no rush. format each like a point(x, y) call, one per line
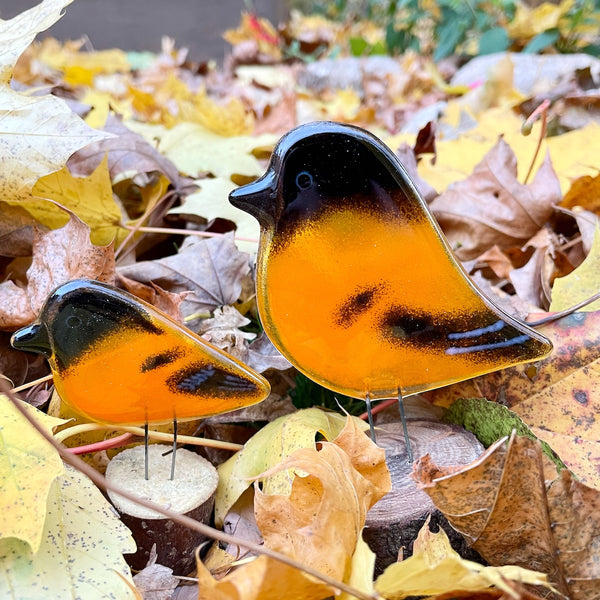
point(393, 522)
point(191, 493)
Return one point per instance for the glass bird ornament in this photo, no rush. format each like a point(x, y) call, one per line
point(117, 359)
point(356, 285)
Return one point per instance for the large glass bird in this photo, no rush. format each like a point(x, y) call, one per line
point(117, 359)
point(356, 284)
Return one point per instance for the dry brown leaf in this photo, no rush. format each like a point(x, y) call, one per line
point(128, 152)
point(491, 207)
point(16, 230)
point(211, 269)
point(320, 522)
point(279, 118)
point(559, 399)
point(58, 256)
point(511, 517)
point(168, 302)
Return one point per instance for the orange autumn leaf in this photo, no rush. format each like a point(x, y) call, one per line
point(262, 579)
point(584, 192)
point(320, 522)
point(503, 506)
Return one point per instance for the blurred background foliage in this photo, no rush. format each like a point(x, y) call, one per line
point(440, 28)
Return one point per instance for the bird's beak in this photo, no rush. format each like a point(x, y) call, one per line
point(258, 198)
point(33, 338)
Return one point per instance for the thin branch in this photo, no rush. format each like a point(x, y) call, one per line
point(100, 481)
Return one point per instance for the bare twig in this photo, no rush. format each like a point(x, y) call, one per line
point(100, 481)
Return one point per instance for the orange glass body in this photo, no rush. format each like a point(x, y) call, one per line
point(356, 284)
point(117, 359)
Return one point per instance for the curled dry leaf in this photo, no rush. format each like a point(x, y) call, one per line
point(16, 230)
point(512, 517)
point(435, 568)
point(168, 302)
point(58, 256)
point(223, 331)
point(128, 152)
point(492, 207)
point(320, 521)
point(212, 270)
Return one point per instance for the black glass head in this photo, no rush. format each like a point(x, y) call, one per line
point(77, 315)
point(325, 164)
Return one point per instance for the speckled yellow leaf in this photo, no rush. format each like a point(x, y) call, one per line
point(38, 133)
point(580, 284)
point(90, 198)
point(435, 568)
point(81, 551)
point(28, 466)
point(266, 449)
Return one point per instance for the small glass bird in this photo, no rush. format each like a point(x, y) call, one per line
point(117, 359)
point(356, 284)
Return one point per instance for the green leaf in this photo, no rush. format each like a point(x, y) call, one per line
point(358, 46)
point(449, 36)
point(494, 40)
point(542, 41)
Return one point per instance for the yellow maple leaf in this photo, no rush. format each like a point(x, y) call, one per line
point(435, 567)
point(39, 133)
point(529, 22)
point(28, 466)
point(79, 67)
point(580, 284)
point(90, 198)
point(81, 551)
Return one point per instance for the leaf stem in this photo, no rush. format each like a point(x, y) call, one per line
point(61, 436)
point(189, 232)
point(542, 110)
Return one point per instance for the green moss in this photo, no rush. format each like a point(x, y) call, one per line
point(490, 421)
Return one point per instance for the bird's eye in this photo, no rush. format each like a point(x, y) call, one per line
point(73, 322)
point(304, 180)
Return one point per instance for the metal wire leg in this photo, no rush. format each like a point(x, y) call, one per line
point(146, 451)
point(405, 427)
point(370, 417)
point(174, 449)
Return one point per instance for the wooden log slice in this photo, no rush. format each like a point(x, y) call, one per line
point(394, 522)
point(190, 493)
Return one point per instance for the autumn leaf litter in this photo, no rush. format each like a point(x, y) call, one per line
point(162, 147)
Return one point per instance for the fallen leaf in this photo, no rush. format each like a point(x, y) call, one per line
point(580, 284)
point(16, 230)
point(435, 568)
point(155, 582)
point(584, 192)
point(58, 256)
point(90, 198)
point(195, 150)
point(28, 466)
point(211, 201)
point(263, 579)
point(266, 449)
point(492, 207)
point(259, 31)
point(530, 21)
point(127, 152)
point(39, 133)
point(511, 517)
point(262, 355)
point(222, 330)
point(81, 550)
point(320, 521)
point(211, 269)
